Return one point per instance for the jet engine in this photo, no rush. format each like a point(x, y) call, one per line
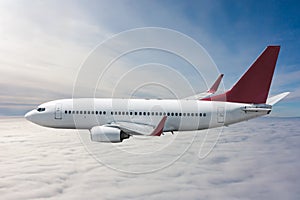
point(107, 134)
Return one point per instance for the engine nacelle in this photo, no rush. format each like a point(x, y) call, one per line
point(107, 134)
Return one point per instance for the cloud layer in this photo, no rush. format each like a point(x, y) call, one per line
point(257, 159)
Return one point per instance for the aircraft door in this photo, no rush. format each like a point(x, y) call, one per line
point(58, 111)
point(220, 114)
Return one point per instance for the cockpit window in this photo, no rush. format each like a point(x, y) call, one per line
point(41, 109)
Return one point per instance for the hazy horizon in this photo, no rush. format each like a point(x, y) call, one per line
point(44, 44)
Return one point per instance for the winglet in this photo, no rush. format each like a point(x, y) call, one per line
point(159, 128)
point(215, 86)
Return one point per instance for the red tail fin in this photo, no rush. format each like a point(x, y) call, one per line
point(254, 85)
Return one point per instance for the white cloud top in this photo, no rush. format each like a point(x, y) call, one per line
point(257, 159)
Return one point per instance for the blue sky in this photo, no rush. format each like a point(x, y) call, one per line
point(44, 42)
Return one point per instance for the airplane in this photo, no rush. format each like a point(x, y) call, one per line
point(114, 120)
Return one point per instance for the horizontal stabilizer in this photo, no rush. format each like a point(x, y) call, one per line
point(273, 100)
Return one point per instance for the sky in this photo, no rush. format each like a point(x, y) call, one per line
point(44, 44)
point(257, 159)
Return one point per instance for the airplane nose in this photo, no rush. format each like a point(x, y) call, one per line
point(28, 115)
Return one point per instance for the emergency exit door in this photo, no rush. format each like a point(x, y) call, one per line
point(220, 114)
point(58, 111)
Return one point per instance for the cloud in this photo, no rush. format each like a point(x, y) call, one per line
point(42, 46)
point(294, 96)
point(257, 159)
point(287, 78)
point(44, 43)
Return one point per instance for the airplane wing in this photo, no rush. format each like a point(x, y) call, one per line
point(140, 129)
point(209, 92)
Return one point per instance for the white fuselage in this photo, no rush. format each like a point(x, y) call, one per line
point(182, 115)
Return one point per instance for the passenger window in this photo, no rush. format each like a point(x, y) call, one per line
point(112, 113)
point(69, 111)
point(187, 114)
point(104, 112)
point(200, 114)
point(66, 112)
point(184, 114)
point(192, 114)
point(96, 112)
point(84, 112)
point(77, 111)
point(88, 112)
point(204, 114)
